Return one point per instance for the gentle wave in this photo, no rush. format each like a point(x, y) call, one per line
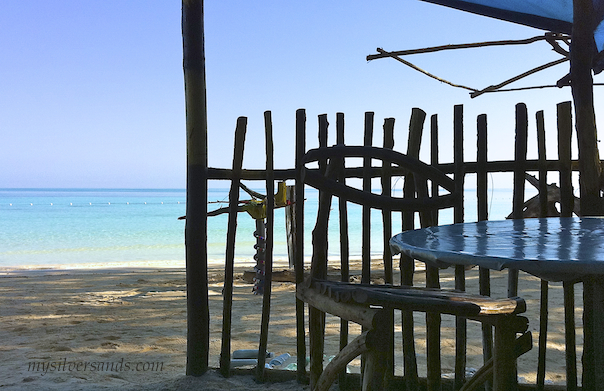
point(92, 249)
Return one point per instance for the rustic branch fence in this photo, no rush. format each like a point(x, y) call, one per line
point(564, 166)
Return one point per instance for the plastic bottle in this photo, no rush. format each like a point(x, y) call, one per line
point(279, 360)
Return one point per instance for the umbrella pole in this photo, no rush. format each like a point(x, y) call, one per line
point(582, 90)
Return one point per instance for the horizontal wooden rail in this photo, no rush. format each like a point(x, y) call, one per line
point(376, 172)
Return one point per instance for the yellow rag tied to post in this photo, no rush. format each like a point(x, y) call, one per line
point(257, 208)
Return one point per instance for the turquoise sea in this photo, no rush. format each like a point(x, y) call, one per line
point(46, 227)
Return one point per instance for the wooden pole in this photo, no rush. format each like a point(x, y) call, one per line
point(483, 214)
point(582, 89)
point(366, 210)
point(299, 246)
point(344, 245)
point(386, 180)
point(565, 126)
point(387, 190)
point(543, 302)
point(198, 314)
point(520, 148)
point(269, 240)
point(458, 216)
point(566, 210)
point(416, 127)
point(229, 262)
point(434, 156)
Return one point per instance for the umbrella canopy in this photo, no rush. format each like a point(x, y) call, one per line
point(550, 15)
point(584, 20)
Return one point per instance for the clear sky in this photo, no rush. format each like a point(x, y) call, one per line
point(92, 95)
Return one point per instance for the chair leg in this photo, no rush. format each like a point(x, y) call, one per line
point(375, 370)
point(504, 359)
point(316, 328)
point(338, 364)
point(522, 345)
point(570, 336)
point(377, 360)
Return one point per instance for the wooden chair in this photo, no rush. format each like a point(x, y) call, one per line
point(372, 305)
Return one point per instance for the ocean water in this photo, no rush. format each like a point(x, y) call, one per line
point(47, 227)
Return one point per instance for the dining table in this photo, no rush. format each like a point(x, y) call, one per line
point(568, 249)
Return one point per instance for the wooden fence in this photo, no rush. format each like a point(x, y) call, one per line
point(463, 163)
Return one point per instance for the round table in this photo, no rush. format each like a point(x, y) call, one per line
point(554, 249)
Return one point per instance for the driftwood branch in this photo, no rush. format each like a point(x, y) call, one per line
point(536, 87)
point(549, 37)
point(339, 362)
point(552, 40)
point(388, 54)
point(516, 78)
point(532, 207)
point(252, 193)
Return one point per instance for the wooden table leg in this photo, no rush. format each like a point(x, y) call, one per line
point(593, 334)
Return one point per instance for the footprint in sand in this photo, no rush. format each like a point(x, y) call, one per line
point(109, 345)
point(61, 348)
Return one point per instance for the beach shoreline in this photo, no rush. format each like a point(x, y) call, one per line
point(138, 314)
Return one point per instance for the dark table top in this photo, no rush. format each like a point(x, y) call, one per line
point(554, 249)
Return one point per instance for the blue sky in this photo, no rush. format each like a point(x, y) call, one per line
point(92, 92)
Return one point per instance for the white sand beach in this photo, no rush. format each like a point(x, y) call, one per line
point(58, 325)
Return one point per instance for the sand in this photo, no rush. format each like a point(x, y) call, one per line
point(60, 327)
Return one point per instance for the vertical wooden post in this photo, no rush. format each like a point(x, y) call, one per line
point(198, 313)
point(366, 210)
point(366, 218)
point(323, 127)
point(433, 319)
point(416, 127)
point(229, 262)
point(344, 243)
point(269, 240)
point(387, 190)
point(320, 243)
point(564, 113)
point(543, 212)
point(299, 255)
point(460, 281)
point(483, 205)
point(386, 180)
point(519, 180)
point(343, 211)
point(290, 225)
point(520, 148)
point(582, 89)
point(458, 213)
point(481, 163)
point(566, 209)
point(570, 338)
point(434, 156)
point(593, 354)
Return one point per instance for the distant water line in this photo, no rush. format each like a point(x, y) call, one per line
point(43, 227)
